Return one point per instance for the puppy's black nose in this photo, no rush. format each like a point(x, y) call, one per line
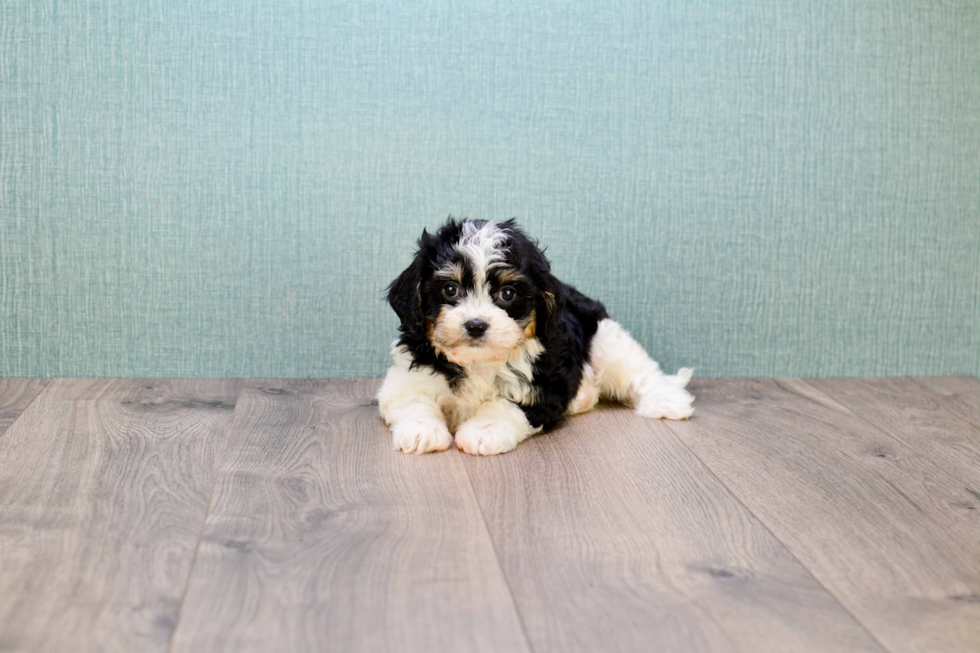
point(476, 328)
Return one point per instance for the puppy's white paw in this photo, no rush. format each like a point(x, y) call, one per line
point(483, 437)
point(666, 402)
point(420, 436)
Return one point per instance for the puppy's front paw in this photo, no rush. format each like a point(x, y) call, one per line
point(667, 402)
point(420, 436)
point(484, 437)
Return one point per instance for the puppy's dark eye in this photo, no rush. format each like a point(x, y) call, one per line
point(506, 295)
point(450, 290)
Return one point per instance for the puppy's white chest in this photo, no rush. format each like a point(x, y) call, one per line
point(478, 387)
point(509, 379)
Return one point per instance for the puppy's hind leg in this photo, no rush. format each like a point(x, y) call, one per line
point(588, 393)
point(625, 372)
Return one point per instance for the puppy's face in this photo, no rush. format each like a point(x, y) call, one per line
point(479, 287)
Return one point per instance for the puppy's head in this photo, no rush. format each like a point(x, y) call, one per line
point(475, 291)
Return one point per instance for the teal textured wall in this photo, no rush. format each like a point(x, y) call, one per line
point(225, 188)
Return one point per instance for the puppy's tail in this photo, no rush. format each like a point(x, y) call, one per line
point(683, 376)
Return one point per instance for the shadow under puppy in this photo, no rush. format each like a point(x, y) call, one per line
point(494, 348)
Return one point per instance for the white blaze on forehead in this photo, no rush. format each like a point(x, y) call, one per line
point(482, 245)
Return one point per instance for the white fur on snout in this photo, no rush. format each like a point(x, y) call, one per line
point(449, 334)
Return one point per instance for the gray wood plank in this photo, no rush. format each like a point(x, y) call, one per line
point(961, 400)
point(614, 537)
point(16, 394)
point(321, 538)
point(881, 527)
point(962, 388)
point(104, 487)
point(939, 425)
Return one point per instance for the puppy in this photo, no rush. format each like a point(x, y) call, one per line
point(495, 349)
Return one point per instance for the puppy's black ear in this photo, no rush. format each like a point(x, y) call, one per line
point(551, 298)
point(405, 292)
point(551, 303)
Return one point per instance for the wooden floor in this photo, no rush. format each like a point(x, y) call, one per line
point(221, 515)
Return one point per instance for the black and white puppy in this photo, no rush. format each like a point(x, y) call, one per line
point(494, 348)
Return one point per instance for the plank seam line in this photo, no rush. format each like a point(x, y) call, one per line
point(204, 523)
point(496, 554)
point(790, 551)
point(44, 388)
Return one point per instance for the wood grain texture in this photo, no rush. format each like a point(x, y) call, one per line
point(963, 388)
point(614, 536)
point(961, 399)
point(104, 488)
point(15, 396)
point(321, 538)
point(938, 424)
point(881, 527)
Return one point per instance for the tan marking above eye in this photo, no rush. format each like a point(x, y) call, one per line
point(453, 272)
point(509, 275)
